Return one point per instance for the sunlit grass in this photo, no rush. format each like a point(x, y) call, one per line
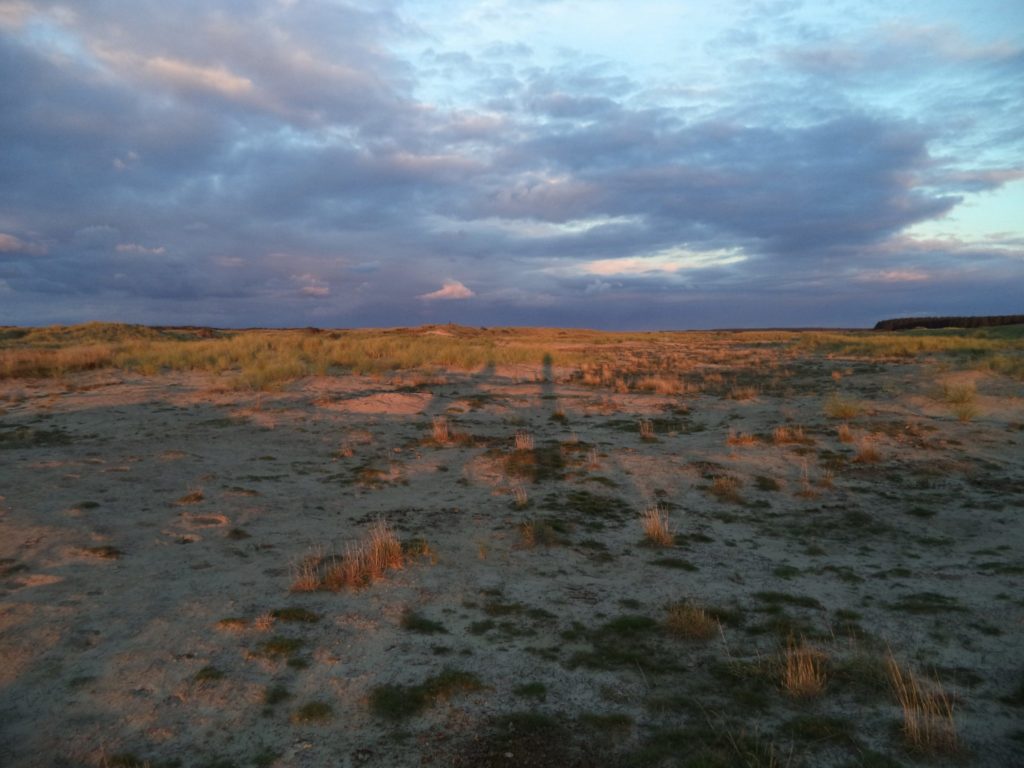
point(661, 362)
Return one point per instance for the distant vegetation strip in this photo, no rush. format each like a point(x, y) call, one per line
point(268, 359)
point(976, 321)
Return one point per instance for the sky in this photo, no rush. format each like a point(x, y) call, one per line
point(649, 164)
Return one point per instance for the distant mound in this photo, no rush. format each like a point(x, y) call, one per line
point(977, 321)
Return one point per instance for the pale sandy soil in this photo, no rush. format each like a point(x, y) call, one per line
point(115, 584)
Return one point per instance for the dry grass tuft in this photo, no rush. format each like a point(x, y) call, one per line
point(961, 399)
point(194, 496)
point(362, 563)
point(844, 433)
point(519, 497)
point(662, 385)
point(741, 439)
point(867, 453)
point(307, 572)
point(440, 430)
point(524, 440)
point(726, 488)
point(965, 411)
point(839, 407)
point(368, 560)
point(803, 674)
point(646, 429)
point(656, 527)
point(928, 721)
point(743, 393)
point(958, 394)
point(689, 620)
point(790, 435)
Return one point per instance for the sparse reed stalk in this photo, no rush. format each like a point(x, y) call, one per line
point(646, 429)
point(928, 719)
point(844, 433)
point(656, 527)
point(803, 675)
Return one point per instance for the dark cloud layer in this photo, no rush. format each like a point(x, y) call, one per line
point(276, 163)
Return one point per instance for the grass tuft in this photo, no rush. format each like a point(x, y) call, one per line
point(366, 561)
point(803, 674)
point(839, 407)
point(656, 527)
point(928, 721)
point(691, 621)
point(441, 432)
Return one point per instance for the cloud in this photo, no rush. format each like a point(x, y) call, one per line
point(184, 74)
point(451, 289)
point(893, 276)
point(268, 166)
point(12, 244)
point(312, 286)
point(141, 249)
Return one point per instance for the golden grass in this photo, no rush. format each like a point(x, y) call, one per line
point(867, 453)
point(523, 440)
point(440, 430)
point(361, 564)
point(520, 498)
point(803, 671)
point(965, 411)
point(690, 621)
point(743, 393)
point(656, 527)
point(839, 407)
point(844, 433)
point(929, 724)
point(790, 435)
point(741, 439)
point(726, 488)
point(368, 560)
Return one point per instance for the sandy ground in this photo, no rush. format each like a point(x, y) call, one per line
point(150, 527)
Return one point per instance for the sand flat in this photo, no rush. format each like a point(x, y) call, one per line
point(150, 527)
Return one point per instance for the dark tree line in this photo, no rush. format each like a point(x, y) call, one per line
point(977, 321)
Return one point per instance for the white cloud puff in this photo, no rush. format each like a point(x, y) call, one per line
point(451, 289)
point(136, 248)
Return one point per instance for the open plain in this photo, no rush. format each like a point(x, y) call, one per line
point(452, 546)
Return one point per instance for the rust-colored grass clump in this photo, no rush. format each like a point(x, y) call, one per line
point(362, 563)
